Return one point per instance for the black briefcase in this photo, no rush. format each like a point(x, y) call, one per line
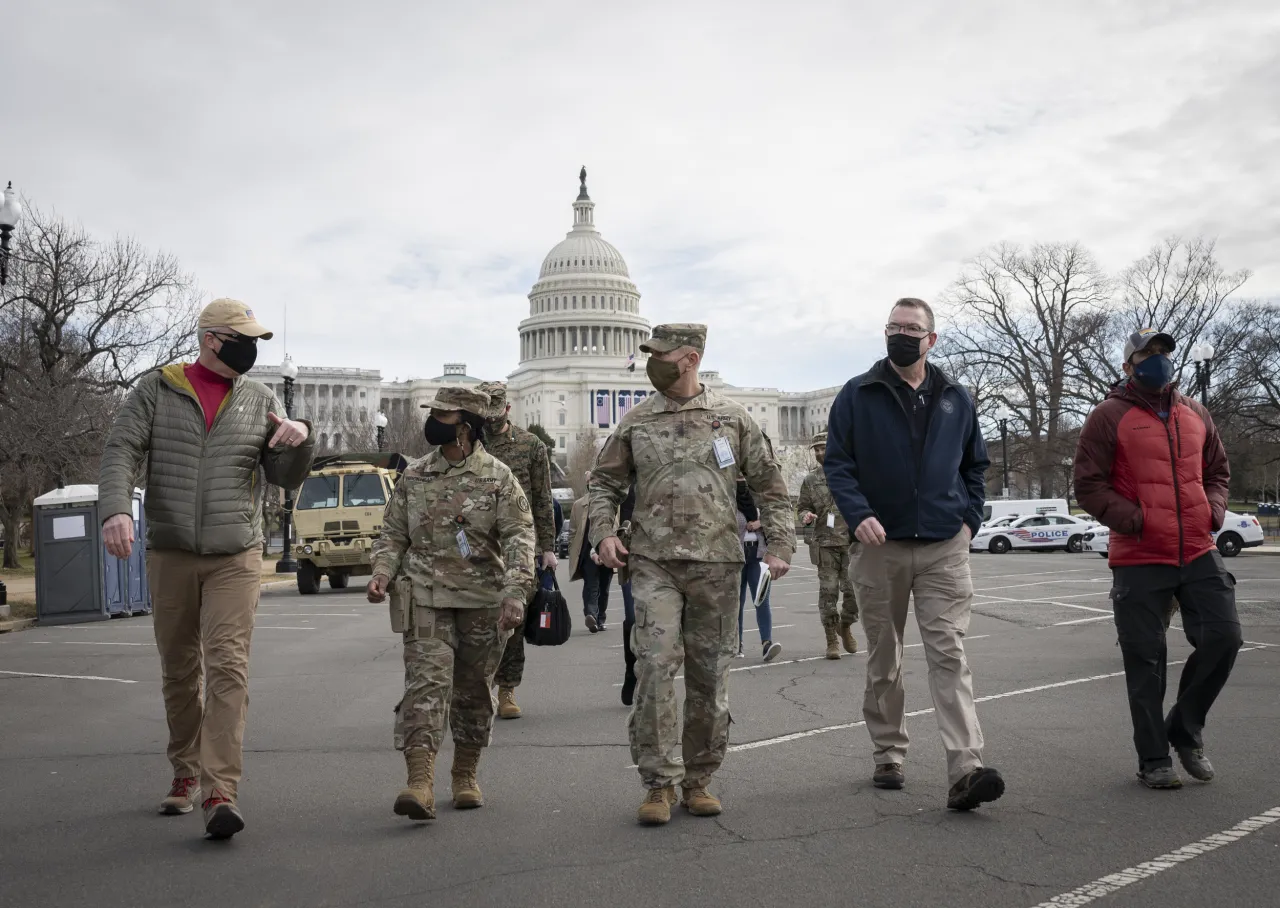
point(547, 621)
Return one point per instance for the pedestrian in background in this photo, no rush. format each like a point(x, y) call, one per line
point(199, 433)
point(684, 447)
point(1151, 466)
point(829, 550)
point(754, 549)
point(456, 550)
point(585, 565)
point(906, 465)
point(527, 457)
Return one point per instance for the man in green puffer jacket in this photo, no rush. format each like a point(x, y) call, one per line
point(200, 431)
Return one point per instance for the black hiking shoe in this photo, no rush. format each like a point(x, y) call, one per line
point(1159, 777)
point(978, 787)
point(1196, 763)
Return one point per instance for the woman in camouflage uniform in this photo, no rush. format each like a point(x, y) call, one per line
point(456, 553)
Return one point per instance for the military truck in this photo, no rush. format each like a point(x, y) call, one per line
point(338, 515)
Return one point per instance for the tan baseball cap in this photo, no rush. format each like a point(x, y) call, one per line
point(671, 337)
point(457, 397)
point(233, 314)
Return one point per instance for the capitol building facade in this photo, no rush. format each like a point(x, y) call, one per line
point(580, 366)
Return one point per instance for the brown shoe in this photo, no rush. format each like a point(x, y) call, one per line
point(417, 800)
point(222, 819)
point(889, 775)
point(466, 787)
point(507, 706)
point(700, 802)
point(847, 639)
point(833, 641)
point(182, 797)
point(656, 809)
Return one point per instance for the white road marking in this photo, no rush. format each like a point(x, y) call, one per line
point(1083, 608)
point(68, 677)
point(87, 643)
point(861, 652)
point(1113, 882)
point(1014, 586)
point(775, 627)
point(1035, 574)
point(796, 736)
point(276, 627)
point(1081, 620)
point(308, 614)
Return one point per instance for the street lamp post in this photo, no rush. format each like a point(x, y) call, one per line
point(287, 564)
point(1003, 417)
point(380, 421)
point(10, 214)
point(1202, 356)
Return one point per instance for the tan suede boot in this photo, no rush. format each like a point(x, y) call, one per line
point(847, 639)
point(507, 706)
point(833, 641)
point(418, 799)
point(466, 788)
point(700, 802)
point(656, 809)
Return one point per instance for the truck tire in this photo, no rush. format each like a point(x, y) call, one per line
point(308, 578)
point(338, 580)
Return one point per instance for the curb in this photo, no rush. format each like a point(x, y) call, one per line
point(18, 624)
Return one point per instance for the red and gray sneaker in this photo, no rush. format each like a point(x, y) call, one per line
point(222, 818)
point(182, 797)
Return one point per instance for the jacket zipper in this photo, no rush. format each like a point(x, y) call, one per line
point(915, 493)
point(1177, 493)
point(204, 442)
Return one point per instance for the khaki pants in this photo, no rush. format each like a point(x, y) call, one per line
point(686, 615)
point(203, 610)
point(450, 659)
point(936, 575)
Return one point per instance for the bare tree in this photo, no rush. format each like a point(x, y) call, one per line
point(797, 461)
point(1021, 320)
point(81, 319)
point(582, 457)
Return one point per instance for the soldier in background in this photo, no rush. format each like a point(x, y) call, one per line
point(528, 458)
point(829, 545)
point(456, 551)
point(684, 448)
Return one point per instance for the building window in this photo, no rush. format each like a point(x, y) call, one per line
point(749, 409)
point(562, 442)
point(561, 417)
point(561, 398)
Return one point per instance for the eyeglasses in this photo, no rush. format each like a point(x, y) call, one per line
point(909, 330)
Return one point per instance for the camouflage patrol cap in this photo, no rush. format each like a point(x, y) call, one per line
point(819, 440)
point(457, 397)
point(497, 391)
point(671, 337)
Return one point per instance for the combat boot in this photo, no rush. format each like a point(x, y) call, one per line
point(418, 799)
point(700, 802)
point(656, 809)
point(833, 641)
point(466, 788)
point(849, 641)
point(507, 706)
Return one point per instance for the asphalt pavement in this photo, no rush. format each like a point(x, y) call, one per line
point(82, 769)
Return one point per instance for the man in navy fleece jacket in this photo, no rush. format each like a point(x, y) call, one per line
point(907, 465)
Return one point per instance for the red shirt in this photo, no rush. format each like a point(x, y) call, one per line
point(210, 387)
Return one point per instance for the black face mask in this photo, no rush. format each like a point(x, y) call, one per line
point(440, 433)
point(238, 353)
point(903, 350)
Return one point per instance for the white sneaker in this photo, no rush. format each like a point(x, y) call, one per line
point(741, 654)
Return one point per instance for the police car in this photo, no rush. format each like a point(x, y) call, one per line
point(1043, 532)
point(1239, 531)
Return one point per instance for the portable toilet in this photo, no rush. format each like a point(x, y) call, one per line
point(76, 579)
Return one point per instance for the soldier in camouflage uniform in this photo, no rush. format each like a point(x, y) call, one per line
point(456, 553)
point(528, 459)
point(829, 546)
point(684, 447)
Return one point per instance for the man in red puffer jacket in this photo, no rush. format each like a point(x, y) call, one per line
point(1150, 465)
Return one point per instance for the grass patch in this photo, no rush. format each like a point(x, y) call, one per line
point(21, 608)
point(26, 567)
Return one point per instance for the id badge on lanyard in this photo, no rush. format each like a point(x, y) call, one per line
point(724, 453)
point(464, 547)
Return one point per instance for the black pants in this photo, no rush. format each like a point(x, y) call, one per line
point(1207, 597)
point(596, 579)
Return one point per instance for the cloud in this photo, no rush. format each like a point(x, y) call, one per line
point(394, 172)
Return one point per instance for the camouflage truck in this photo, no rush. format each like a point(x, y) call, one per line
point(338, 515)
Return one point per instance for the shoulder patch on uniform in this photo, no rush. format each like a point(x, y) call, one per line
point(523, 503)
point(947, 406)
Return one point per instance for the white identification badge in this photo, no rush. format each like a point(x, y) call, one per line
point(724, 453)
point(831, 521)
point(464, 547)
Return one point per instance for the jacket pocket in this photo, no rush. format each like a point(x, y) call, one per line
point(401, 596)
point(650, 449)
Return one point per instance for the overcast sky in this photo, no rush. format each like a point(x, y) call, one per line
point(394, 171)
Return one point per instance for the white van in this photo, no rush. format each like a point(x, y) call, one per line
point(1006, 507)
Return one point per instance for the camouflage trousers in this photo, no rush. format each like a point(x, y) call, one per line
point(449, 662)
point(834, 581)
point(686, 614)
point(511, 669)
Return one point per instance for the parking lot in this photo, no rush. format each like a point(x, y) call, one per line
point(82, 768)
